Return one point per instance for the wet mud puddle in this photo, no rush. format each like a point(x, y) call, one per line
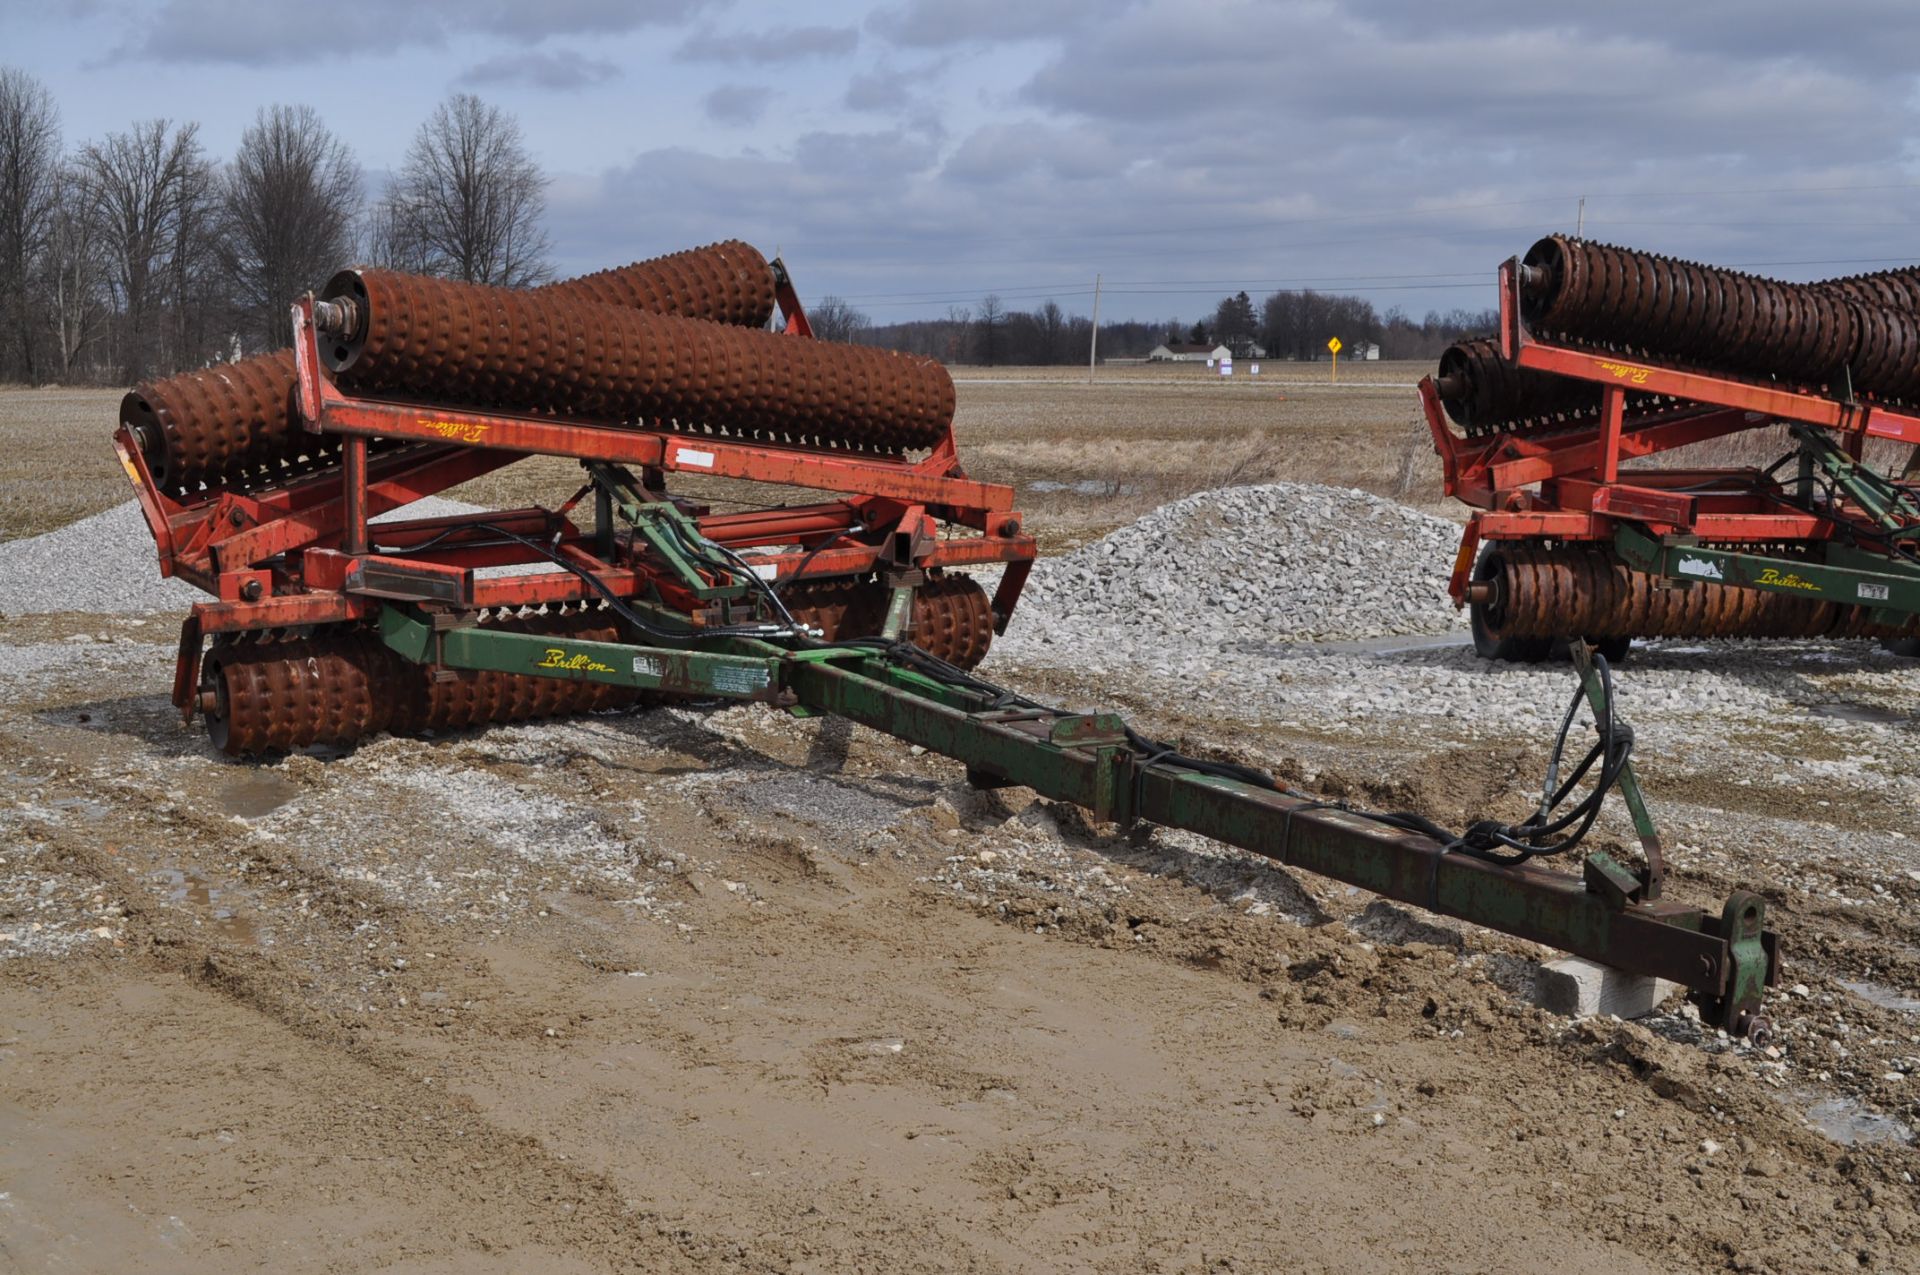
point(213, 904)
point(254, 793)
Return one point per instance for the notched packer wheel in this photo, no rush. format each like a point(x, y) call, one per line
point(1490, 619)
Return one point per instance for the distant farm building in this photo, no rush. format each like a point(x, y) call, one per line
point(1185, 353)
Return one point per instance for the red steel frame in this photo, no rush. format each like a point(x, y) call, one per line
point(299, 553)
point(1571, 485)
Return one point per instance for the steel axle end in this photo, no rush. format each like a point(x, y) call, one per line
point(339, 317)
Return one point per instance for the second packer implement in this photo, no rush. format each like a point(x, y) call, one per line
point(1605, 359)
point(325, 626)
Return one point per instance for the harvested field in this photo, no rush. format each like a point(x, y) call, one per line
point(715, 989)
point(55, 465)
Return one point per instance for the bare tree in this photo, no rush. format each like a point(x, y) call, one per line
point(292, 198)
point(29, 168)
point(199, 293)
point(991, 323)
point(73, 276)
point(138, 184)
point(468, 202)
point(1052, 324)
point(390, 243)
point(835, 320)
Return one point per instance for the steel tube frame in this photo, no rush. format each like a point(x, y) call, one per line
point(1607, 915)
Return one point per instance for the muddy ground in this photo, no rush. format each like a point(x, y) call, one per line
point(715, 989)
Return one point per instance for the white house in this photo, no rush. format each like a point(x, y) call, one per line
point(1185, 353)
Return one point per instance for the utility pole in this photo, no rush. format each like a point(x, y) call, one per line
point(1580, 220)
point(1093, 343)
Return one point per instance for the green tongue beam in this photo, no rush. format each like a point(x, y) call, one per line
point(1608, 913)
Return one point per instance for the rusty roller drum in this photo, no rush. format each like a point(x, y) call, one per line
point(1722, 319)
point(1485, 394)
point(1530, 593)
point(238, 424)
point(1892, 289)
point(334, 688)
point(952, 618)
point(406, 336)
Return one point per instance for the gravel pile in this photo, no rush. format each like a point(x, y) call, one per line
point(1281, 562)
point(106, 564)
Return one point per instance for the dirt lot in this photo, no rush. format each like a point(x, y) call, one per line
point(720, 990)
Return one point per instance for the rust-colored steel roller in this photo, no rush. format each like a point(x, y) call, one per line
point(237, 424)
point(337, 687)
point(1483, 393)
point(391, 334)
point(1526, 590)
point(952, 618)
point(1723, 319)
point(334, 688)
point(1892, 289)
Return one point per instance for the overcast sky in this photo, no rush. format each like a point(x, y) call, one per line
point(914, 155)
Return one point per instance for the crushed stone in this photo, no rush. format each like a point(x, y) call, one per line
point(106, 564)
point(1288, 561)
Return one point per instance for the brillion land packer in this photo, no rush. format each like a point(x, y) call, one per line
point(258, 480)
point(1607, 356)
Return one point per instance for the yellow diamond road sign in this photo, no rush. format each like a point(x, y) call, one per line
point(1333, 343)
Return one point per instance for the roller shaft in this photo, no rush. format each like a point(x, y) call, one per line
point(237, 423)
point(493, 348)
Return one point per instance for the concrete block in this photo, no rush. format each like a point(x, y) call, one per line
point(1580, 988)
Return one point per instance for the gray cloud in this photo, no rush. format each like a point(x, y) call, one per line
point(881, 91)
point(737, 104)
point(939, 23)
point(560, 70)
point(1876, 34)
point(1243, 143)
point(785, 44)
point(1250, 144)
point(268, 32)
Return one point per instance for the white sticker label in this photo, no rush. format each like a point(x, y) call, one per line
point(1701, 567)
point(741, 679)
point(767, 571)
point(690, 456)
point(648, 666)
point(1878, 592)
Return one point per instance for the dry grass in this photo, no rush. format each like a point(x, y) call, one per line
point(1088, 457)
point(56, 460)
point(1759, 448)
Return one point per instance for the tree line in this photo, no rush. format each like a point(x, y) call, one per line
point(138, 254)
point(1286, 325)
